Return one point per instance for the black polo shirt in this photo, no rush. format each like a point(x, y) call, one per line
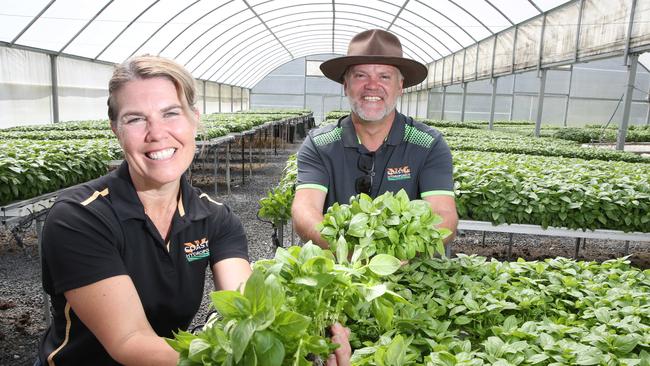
point(98, 230)
point(414, 157)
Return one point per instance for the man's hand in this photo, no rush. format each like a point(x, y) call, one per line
point(341, 356)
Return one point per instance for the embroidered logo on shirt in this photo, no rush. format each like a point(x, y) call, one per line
point(399, 173)
point(197, 249)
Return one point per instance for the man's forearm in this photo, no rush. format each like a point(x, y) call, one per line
point(449, 221)
point(305, 226)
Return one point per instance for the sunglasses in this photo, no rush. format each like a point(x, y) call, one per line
point(366, 164)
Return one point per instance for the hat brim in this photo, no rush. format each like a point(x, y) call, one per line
point(413, 71)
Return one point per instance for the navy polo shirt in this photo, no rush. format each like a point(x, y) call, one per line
point(98, 230)
point(414, 157)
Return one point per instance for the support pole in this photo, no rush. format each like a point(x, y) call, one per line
point(408, 104)
point(304, 86)
point(55, 89)
point(568, 98)
point(627, 104)
point(577, 251)
point(493, 102)
point(442, 108)
point(429, 102)
point(219, 98)
point(512, 98)
point(647, 114)
point(232, 99)
point(540, 102)
point(462, 105)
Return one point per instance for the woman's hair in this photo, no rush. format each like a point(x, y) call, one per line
point(146, 67)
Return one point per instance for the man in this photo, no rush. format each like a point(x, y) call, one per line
point(375, 149)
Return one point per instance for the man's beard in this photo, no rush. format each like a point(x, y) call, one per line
point(365, 117)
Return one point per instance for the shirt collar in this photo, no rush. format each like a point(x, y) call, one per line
point(123, 197)
point(127, 204)
point(395, 136)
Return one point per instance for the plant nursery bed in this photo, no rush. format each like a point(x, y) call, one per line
point(22, 320)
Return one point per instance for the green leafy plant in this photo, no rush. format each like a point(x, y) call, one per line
point(552, 191)
point(390, 224)
point(276, 206)
point(432, 311)
point(28, 170)
point(546, 191)
point(497, 141)
point(39, 159)
point(285, 308)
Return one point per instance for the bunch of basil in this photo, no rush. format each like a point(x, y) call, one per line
point(286, 306)
point(390, 224)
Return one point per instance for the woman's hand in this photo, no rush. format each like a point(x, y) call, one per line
point(341, 356)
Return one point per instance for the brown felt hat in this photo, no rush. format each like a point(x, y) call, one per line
point(375, 46)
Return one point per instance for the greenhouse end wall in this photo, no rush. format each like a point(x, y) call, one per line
point(289, 86)
point(300, 84)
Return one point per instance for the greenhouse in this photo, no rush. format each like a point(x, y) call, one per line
point(379, 182)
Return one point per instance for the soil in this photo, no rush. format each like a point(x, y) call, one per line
point(22, 308)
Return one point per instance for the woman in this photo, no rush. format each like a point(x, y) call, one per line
point(124, 256)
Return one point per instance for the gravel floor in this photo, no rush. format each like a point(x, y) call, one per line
point(21, 301)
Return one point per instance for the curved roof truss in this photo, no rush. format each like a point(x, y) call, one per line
point(238, 42)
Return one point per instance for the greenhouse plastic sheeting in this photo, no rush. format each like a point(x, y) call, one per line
point(238, 42)
point(577, 31)
point(25, 91)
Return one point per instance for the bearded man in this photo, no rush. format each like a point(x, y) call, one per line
point(375, 149)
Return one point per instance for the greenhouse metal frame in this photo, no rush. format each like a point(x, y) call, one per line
point(231, 45)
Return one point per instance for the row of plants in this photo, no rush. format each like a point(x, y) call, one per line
point(615, 127)
point(583, 135)
point(515, 188)
point(426, 311)
point(28, 169)
point(496, 141)
point(336, 114)
point(479, 124)
point(589, 135)
point(57, 134)
point(40, 159)
point(64, 126)
point(212, 126)
point(289, 111)
point(238, 122)
point(552, 191)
